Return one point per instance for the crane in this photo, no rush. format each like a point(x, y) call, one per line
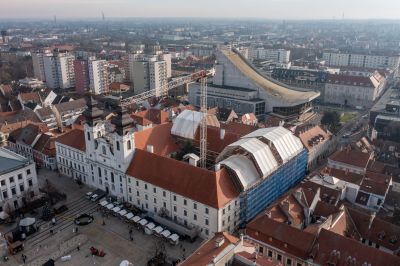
point(164, 89)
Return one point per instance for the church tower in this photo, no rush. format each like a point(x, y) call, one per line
point(94, 127)
point(123, 138)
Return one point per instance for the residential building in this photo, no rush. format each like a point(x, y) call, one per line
point(275, 55)
point(67, 112)
point(47, 116)
point(32, 83)
point(98, 76)
point(82, 79)
point(353, 90)
point(59, 70)
point(18, 180)
point(361, 60)
point(38, 64)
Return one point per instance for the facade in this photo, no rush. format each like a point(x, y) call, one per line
point(275, 55)
point(67, 112)
point(18, 180)
point(361, 60)
point(354, 90)
point(98, 76)
point(38, 64)
point(47, 117)
point(59, 70)
point(82, 80)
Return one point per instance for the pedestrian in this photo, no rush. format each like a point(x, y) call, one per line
point(78, 247)
point(23, 258)
point(51, 231)
point(76, 229)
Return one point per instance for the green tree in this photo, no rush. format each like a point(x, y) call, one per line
point(331, 119)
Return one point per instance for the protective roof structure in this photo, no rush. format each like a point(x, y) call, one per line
point(186, 123)
point(259, 151)
point(10, 161)
point(269, 85)
point(286, 144)
point(243, 168)
point(158, 229)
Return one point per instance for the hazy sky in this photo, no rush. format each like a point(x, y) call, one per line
point(269, 9)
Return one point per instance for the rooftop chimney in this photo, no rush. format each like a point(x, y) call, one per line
point(150, 148)
point(222, 133)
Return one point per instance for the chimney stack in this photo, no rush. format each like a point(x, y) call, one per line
point(150, 148)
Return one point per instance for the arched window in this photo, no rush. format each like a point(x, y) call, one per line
point(88, 135)
point(129, 145)
point(104, 150)
point(117, 145)
point(99, 134)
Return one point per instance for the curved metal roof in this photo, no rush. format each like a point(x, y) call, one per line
point(260, 152)
point(271, 86)
point(244, 169)
point(286, 144)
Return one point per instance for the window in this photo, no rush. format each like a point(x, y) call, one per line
point(99, 170)
point(174, 208)
point(137, 193)
point(206, 221)
point(279, 257)
point(288, 262)
point(184, 202)
point(13, 191)
point(299, 264)
point(165, 204)
point(184, 213)
point(195, 217)
point(206, 210)
point(164, 194)
point(28, 172)
point(88, 135)
point(129, 145)
point(154, 190)
point(223, 211)
point(147, 206)
point(21, 188)
point(117, 145)
point(270, 253)
point(207, 232)
point(174, 198)
point(261, 250)
point(145, 186)
point(129, 180)
point(146, 197)
point(137, 183)
point(112, 177)
point(30, 183)
point(223, 222)
point(5, 195)
point(155, 209)
point(19, 176)
point(130, 190)
point(138, 202)
point(155, 200)
point(195, 206)
point(229, 207)
point(3, 183)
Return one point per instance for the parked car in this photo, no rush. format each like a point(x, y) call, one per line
point(61, 209)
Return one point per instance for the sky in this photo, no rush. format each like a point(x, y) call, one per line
point(266, 9)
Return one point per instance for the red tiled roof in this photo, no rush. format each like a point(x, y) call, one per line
point(205, 254)
point(211, 188)
point(348, 248)
point(350, 80)
point(281, 235)
point(255, 260)
point(351, 157)
point(160, 137)
point(344, 175)
point(45, 145)
point(154, 115)
point(30, 97)
point(74, 138)
point(312, 136)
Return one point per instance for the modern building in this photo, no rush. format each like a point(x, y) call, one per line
point(98, 76)
point(59, 70)
point(82, 80)
point(353, 90)
point(237, 82)
point(361, 60)
point(18, 180)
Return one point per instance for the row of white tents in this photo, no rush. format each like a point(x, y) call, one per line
point(149, 227)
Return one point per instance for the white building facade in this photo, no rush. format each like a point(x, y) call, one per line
point(98, 76)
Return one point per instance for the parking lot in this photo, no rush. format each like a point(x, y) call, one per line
point(112, 236)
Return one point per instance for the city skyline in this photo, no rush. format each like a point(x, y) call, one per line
point(270, 9)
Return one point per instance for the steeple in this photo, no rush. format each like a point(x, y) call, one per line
point(122, 121)
point(92, 113)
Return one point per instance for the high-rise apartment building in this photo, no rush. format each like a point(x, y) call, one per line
point(98, 75)
point(38, 64)
point(149, 73)
point(82, 80)
point(275, 55)
point(59, 70)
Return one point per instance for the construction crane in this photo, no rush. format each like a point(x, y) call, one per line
point(163, 91)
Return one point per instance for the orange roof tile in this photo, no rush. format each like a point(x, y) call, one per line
point(351, 157)
point(211, 188)
point(74, 138)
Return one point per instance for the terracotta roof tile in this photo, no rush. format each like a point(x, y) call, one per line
point(211, 188)
point(74, 138)
point(312, 136)
point(160, 137)
point(351, 157)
